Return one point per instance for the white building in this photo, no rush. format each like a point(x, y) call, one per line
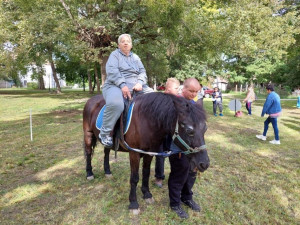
point(220, 83)
point(48, 77)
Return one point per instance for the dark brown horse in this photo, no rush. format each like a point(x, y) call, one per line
point(155, 116)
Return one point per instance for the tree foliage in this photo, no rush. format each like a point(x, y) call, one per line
point(245, 40)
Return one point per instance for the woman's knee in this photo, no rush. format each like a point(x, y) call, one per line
point(116, 105)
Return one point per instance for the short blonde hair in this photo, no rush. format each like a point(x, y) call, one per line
point(172, 80)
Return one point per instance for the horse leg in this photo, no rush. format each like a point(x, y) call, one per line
point(145, 182)
point(89, 144)
point(134, 179)
point(107, 171)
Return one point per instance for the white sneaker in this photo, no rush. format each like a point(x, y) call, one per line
point(261, 137)
point(275, 142)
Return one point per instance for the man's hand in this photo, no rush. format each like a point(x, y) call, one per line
point(126, 92)
point(137, 87)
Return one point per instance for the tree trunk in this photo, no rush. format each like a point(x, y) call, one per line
point(90, 81)
point(149, 75)
point(83, 83)
point(103, 61)
point(41, 82)
point(94, 82)
point(97, 78)
point(58, 90)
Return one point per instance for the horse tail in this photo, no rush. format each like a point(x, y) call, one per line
point(94, 143)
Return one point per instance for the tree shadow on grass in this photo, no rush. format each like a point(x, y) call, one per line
point(293, 123)
point(293, 127)
point(42, 94)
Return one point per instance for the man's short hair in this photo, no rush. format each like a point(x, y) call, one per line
point(270, 87)
point(188, 81)
point(124, 35)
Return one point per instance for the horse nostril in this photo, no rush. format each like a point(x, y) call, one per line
point(204, 166)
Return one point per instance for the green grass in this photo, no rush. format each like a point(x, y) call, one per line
point(43, 181)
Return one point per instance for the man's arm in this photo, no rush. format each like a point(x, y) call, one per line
point(267, 105)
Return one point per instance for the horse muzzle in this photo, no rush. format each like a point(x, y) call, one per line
point(199, 161)
point(203, 166)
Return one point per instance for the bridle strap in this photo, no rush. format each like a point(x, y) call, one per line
point(189, 149)
point(167, 154)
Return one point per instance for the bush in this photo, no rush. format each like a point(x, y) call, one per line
point(32, 85)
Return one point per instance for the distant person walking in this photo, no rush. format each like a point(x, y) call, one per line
point(249, 99)
point(273, 108)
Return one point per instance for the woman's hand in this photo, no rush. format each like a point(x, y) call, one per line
point(137, 87)
point(126, 92)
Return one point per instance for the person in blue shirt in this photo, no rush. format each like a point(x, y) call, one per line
point(272, 107)
point(125, 73)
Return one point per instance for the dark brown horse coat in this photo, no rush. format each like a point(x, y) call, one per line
point(155, 116)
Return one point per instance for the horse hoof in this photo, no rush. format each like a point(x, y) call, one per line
point(90, 177)
point(149, 200)
point(135, 212)
point(108, 176)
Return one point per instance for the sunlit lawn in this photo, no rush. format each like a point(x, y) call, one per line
point(43, 181)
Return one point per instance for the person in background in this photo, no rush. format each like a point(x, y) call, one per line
point(249, 99)
point(217, 101)
point(200, 96)
point(181, 179)
point(272, 107)
point(125, 74)
point(172, 87)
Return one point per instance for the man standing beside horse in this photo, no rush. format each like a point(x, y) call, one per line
point(172, 87)
point(181, 179)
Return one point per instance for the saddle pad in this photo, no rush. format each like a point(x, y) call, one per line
point(129, 116)
point(99, 119)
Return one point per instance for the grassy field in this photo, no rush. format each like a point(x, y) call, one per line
point(43, 181)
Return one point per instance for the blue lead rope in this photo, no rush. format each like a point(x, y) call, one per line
point(164, 154)
point(175, 151)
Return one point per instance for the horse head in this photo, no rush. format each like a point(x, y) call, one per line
point(166, 112)
point(189, 133)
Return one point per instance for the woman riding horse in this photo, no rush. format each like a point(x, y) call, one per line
point(125, 73)
point(155, 116)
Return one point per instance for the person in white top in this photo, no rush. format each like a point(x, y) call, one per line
point(200, 95)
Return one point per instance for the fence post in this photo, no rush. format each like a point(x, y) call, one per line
point(31, 138)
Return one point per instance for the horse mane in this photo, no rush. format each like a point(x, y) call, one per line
point(161, 109)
